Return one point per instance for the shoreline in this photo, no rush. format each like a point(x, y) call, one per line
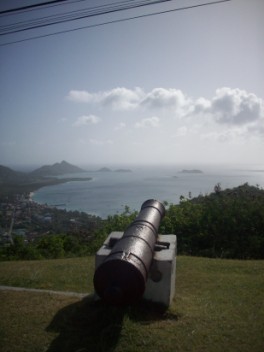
point(58, 181)
point(30, 196)
point(11, 189)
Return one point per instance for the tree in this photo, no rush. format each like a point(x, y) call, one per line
point(51, 246)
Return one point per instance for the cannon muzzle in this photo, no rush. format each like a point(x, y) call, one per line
point(121, 278)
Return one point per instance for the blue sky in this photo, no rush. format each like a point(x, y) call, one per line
point(181, 87)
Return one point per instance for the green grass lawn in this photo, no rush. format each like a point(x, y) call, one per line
point(218, 306)
point(75, 274)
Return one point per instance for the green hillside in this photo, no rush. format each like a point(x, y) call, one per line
point(13, 182)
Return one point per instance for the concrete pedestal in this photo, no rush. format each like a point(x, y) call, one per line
point(160, 286)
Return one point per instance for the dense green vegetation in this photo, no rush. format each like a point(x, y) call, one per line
point(224, 224)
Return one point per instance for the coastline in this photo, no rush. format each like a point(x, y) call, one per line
point(30, 196)
point(11, 189)
point(57, 181)
point(108, 194)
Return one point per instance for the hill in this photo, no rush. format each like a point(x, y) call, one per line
point(10, 176)
point(57, 169)
point(7, 174)
point(14, 182)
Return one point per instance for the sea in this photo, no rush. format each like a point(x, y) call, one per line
point(110, 192)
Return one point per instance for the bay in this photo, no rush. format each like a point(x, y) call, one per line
point(110, 191)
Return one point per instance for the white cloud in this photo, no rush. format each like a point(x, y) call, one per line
point(165, 98)
point(202, 105)
point(228, 107)
point(148, 122)
point(237, 107)
point(233, 106)
point(117, 98)
point(121, 98)
point(126, 99)
point(80, 96)
point(170, 101)
point(86, 120)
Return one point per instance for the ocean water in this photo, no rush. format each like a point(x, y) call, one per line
point(109, 192)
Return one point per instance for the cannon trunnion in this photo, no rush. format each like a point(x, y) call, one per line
point(121, 278)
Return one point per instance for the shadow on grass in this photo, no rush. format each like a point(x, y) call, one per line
point(90, 325)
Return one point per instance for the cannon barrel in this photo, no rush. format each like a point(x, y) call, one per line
point(121, 278)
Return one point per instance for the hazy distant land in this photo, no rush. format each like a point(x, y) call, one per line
point(12, 182)
point(191, 171)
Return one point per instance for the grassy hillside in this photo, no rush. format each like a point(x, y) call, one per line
point(218, 307)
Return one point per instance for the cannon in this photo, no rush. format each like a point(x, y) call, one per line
point(121, 278)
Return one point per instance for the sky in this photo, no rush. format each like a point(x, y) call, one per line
point(179, 87)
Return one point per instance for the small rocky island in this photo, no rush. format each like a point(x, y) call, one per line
point(123, 170)
point(190, 171)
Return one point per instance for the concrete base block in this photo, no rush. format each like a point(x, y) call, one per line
point(160, 286)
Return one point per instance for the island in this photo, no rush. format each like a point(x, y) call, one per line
point(123, 170)
point(57, 169)
point(15, 182)
point(190, 171)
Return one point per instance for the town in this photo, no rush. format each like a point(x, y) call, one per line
point(20, 216)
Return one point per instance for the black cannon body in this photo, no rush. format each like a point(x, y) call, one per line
point(121, 278)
